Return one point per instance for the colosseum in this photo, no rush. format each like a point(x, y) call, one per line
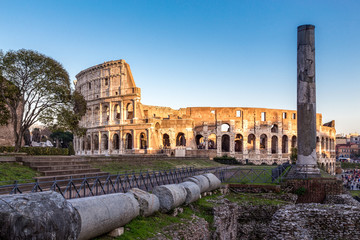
point(118, 123)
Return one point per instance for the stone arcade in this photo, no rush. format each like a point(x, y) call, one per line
point(118, 123)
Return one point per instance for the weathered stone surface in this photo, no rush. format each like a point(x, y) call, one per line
point(170, 196)
point(113, 98)
point(149, 203)
point(214, 182)
point(316, 221)
point(306, 101)
point(192, 191)
point(102, 214)
point(201, 181)
point(43, 215)
point(341, 199)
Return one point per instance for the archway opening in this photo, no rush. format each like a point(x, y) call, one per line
point(166, 141)
point(225, 127)
point(284, 144)
point(263, 143)
point(129, 111)
point(143, 141)
point(239, 143)
point(88, 143)
point(212, 141)
point(274, 144)
point(128, 141)
point(116, 141)
point(225, 143)
point(104, 142)
point(200, 143)
point(251, 142)
point(96, 142)
point(274, 128)
point(181, 140)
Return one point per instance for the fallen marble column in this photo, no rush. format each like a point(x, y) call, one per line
point(43, 215)
point(102, 214)
point(170, 196)
point(149, 203)
point(192, 191)
point(201, 181)
point(214, 182)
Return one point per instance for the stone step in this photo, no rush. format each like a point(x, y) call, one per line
point(69, 172)
point(61, 167)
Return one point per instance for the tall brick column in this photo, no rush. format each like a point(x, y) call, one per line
point(306, 101)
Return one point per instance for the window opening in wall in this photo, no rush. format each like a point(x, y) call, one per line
point(116, 93)
point(284, 115)
point(225, 127)
point(213, 111)
point(274, 128)
point(238, 113)
point(263, 116)
point(294, 116)
point(106, 81)
point(89, 86)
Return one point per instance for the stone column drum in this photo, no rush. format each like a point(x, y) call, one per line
point(306, 101)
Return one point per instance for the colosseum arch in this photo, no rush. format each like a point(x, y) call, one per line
point(116, 141)
point(117, 113)
point(129, 111)
point(225, 143)
point(104, 142)
point(322, 144)
point(326, 144)
point(284, 144)
point(143, 141)
point(97, 116)
point(200, 143)
point(251, 142)
point(239, 143)
point(212, 141)
point(317, 144)
point(88, 143)
point(166, 140)
point(274, 128)
point(263, 142)
point(128, 141)
point(105, 113)
point(83, 143)
point(180, 139)
point(96, 142)
point(274, 144)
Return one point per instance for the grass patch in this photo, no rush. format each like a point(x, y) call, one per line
point(348, 165)
point(254, 199)
point(9, 172)
point(355, 193)
point(115, 167)
point(251, 175)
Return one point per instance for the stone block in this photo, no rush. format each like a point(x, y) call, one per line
point(192, 191)
point(214, 182)
point(43, 215)
point(149, 203)
point(116, 232)
point(102, 214)
point(170, 196)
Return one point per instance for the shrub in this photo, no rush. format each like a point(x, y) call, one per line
point(37, 150)
point(226, 160)
point(300, 191)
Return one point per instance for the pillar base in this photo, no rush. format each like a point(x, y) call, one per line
point(307, 170)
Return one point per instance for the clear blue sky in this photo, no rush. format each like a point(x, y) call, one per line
point(202, 53)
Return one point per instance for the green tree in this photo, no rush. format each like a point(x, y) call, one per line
point(40, 85)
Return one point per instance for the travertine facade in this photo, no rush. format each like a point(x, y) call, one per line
point(118, 123)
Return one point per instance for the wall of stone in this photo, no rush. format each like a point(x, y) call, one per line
point(118, 123)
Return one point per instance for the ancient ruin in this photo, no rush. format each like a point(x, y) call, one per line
point(118, 123)
point(306, 101)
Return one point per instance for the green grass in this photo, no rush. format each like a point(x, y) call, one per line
point(355, 193)
point(251, 175)
point(10, 172)
point(254, 199)
point(347, 165)
point(115, 167)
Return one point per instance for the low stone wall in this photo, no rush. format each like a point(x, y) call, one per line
point(316, 189)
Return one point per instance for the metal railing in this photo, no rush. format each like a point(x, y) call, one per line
point(107, 184)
